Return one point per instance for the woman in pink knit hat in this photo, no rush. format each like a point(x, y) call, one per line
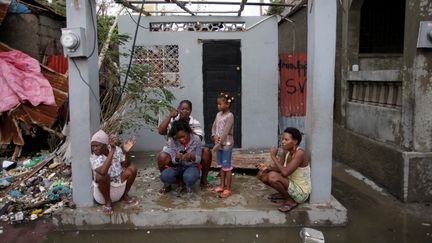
point(113, 172)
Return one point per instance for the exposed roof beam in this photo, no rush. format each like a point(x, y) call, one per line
point(182, 6)
point(293, 10)
point(128, 4)
point(242, 5)
point(215, 3)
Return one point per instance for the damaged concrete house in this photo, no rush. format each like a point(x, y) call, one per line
point(383, 96)
point(209, 55)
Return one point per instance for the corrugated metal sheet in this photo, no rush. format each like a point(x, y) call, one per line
point(58, 63)
point(27, 115)
point(293, 73)
point(292, 121)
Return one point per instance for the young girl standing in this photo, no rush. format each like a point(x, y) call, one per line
point(222, 135)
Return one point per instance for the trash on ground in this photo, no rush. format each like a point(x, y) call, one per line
point(8, 165)
point(309, 235)
point(35, 188)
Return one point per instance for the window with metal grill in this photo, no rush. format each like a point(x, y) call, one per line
point(382, 26)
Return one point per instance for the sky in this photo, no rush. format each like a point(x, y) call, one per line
point(248, 10)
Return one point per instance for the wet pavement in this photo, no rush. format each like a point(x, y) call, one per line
point(373, 217)
point(248, 205)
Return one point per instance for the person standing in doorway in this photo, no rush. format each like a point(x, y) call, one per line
point(222, 135)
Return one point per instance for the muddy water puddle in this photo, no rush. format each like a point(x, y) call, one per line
point(372, 218)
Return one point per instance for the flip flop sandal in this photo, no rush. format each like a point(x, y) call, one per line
point(207, 186)
point(275, 196)
point(164, 190)
point(179, 191)
point(219, 189)
point(107, 210)
point(287, 208)
point(278, 201)
point(226, 193)
point(132, 201)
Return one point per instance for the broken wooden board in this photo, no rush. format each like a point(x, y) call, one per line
point(246, 159)
point(24, 116)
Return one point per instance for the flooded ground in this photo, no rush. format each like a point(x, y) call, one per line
point(373, 217)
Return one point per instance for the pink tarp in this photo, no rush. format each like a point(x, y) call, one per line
point(21, 80)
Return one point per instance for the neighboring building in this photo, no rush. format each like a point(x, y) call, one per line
point(383, 105)
point(383, 96)
point(209, 55)
point(33, 27)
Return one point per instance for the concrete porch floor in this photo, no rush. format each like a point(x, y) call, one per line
point(246, 207)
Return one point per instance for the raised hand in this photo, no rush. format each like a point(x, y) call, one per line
point(261, 166)
point(127, 146)
point(114, 140)
point(273, 151)
point(173, 114)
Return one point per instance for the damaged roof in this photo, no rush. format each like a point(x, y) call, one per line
point(25, 116)
point(35, 6)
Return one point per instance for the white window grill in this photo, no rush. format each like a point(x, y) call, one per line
point(159, 64)
point(197, 26)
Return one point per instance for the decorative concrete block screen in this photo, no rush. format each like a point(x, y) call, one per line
point(376, 93)
point(198, 26)
point(159, 64)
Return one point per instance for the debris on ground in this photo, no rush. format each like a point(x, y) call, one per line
point(309, 235)
point(35, 188)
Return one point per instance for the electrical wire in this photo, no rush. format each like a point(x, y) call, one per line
point(130, 15)
point(94, 30)
point(132, 53)
point(86, 83)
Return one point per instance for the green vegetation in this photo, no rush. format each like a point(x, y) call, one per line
point(275, 9)
point(142, 100)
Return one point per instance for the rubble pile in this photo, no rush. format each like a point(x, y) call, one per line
point(34, 188)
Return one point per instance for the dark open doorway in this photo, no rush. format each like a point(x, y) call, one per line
point(221, 73)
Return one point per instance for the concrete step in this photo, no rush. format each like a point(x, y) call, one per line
point(247, 206)
point(330, 214)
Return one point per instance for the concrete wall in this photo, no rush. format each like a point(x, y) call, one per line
point(381, 163)
point(293, 35)
point(390, 145)
point(30, 33)
point(259, 73)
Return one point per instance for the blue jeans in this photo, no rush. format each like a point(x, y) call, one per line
point(189, 175)
point(223, 159)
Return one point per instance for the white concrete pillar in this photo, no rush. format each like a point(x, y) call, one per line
point(320, 95)
point(83, 100)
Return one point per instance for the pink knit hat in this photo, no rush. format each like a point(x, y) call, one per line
point(101, 137)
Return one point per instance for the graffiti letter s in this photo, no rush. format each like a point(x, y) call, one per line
point(291, 89)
